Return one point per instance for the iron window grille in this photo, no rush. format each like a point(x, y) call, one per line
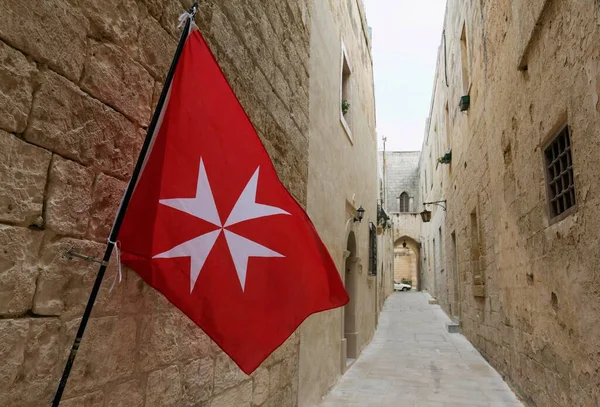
point(372, 249)
point(559, 174)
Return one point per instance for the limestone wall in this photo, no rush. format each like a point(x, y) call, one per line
point(342, 177)
point(405, 265)
point(78, 80)
point(385, 270)
point(402, 175)
point(529, 67)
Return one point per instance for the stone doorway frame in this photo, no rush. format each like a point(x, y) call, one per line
point(349, 331)
point(414, 245)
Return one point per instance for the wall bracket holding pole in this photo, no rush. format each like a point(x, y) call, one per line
point(438, 203)
point(426, 215)
point(71, 253)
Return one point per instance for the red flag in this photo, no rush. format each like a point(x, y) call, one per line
point(212, 228)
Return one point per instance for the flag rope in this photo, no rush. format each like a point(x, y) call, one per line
point(124, 203)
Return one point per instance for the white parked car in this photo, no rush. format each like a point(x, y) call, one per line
point(401, 287)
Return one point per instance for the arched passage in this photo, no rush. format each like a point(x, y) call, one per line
point(406, 261)
point(351, 281)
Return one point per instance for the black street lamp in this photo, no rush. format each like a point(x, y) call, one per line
point(360, 214)
point(426, 215)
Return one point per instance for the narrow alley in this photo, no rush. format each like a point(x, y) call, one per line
point(413, 361)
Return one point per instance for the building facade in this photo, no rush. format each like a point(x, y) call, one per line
point(342, 177)
point(403, 201)
point(514, 257)
point(79, 81)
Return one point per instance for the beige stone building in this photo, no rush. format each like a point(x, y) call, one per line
point(515, 256)
point(403, 200)
point(342, 176)
point(78, 81)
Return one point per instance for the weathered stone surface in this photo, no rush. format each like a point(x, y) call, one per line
point(107, 352)
point(106, 198)
point(116, 20)
point(275, 378)
point(156, 94)
point(115, 78)
point(51, 32)
point(164, 388)
point(69, 197)
point(16, 88)
point(128, 394)
point(64, 283)
point(155, 48)
point(69, 122)
point(227, 373)
point(289, 349)
point(95, 399)
point(170, 336)
point(171, 13)
point(126, 297)
point(138, 349)
point(18, 272)
point(155, 7)
point(13, 340)
point(197, 381)
point(160, 339)
point(194, 343)
point(520, 278)
point(281, 397)
point(239, 396)
point(260, 386)
point(155, 301)
point(23, 175)
point(33, 374)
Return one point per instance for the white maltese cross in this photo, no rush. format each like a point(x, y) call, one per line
point(203, 206)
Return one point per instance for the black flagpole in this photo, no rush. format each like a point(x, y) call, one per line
point(125, 202)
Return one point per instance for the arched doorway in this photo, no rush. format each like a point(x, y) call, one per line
point(406, 262)
point(350, 281)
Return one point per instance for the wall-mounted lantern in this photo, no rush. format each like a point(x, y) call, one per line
point(426, 215)
point(360, 213)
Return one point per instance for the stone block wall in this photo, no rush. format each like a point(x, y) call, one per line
point(401, 175)
point(342, 175)
point(532, 67)
point(405, 265)
point(78, 82)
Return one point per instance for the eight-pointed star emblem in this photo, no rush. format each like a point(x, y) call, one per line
point(203, 206)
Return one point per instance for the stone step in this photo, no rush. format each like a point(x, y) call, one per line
point(453, 327)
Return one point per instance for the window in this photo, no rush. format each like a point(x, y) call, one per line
point(433, 250)
point(372, 249)
point(447, 128)
point(441, 248)
point(455, 304)
point(478, 277)
point(431, 170)
point(559, 174)
point(464, 54)
point(404, 202)
point(346, 94)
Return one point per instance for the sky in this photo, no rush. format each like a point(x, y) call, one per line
point(406, 37)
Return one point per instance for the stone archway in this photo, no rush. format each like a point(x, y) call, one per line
point(407, 255)
point(350, 329)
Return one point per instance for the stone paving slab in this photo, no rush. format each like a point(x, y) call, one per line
point(414, 362)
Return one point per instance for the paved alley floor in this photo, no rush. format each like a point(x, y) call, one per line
point(414, 362)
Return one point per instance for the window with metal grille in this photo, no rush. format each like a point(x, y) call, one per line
point(559, 173)
point(372, 249)
point(404, 202)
